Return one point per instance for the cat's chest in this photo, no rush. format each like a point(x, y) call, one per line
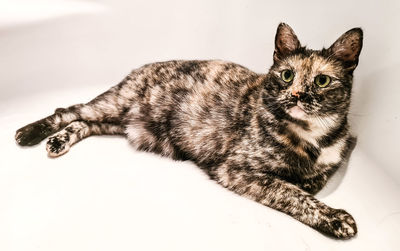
point(333, 154)
point(322, 155)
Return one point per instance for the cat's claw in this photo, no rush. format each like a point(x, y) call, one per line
point(57, 145)
point(340, 225)
point(32, 134)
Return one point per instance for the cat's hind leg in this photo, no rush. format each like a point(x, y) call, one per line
point(108, 107)
point(59, 143)
point(96, 112)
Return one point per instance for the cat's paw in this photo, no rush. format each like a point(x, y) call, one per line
point(339, 224)
point(58, 145)
point(32, 134)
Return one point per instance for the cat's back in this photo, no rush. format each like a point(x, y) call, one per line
point(193, 73)
point(192, 88)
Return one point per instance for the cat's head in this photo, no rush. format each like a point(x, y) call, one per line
point(309, 83)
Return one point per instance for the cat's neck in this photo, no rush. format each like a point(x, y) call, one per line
point(319, 127)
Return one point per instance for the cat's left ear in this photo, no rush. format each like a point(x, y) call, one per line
point(347, 48)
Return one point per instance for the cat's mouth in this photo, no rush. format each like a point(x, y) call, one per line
point(297, 111)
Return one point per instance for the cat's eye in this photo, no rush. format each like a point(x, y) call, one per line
point(322, 80)
point(287, 75)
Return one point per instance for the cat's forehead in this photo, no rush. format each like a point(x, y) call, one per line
point(312, 64)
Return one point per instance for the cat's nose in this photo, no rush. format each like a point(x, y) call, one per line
point(295, 93)
point(299, 95)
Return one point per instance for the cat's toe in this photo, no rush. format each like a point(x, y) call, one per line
point(341, 225)
point(57, 145)
point(32, 134)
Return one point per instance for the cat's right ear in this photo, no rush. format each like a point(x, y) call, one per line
point(286, 42)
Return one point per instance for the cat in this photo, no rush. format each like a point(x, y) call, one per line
point(274, 138)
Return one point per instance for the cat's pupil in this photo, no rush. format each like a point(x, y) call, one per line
point(287, 74)
point(322, 79)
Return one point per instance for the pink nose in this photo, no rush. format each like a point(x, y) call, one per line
point(295, 93)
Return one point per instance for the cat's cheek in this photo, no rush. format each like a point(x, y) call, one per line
point(296, 112)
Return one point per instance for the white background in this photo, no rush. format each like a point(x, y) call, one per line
point(104, 196)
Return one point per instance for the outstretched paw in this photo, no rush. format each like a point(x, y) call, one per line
point(58, 145)
point(32, 134)
point(340, 224)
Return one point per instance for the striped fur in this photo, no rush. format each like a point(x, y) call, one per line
point(274, 142)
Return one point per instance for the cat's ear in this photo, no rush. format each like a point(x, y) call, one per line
point(347, 48)
point(286, 42)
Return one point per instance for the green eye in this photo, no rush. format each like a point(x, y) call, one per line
point(322, 80)
point(287, 75)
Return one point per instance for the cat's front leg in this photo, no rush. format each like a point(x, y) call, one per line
point(313, 185)
point(278, 194)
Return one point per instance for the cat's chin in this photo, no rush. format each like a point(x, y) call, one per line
point(297, 112)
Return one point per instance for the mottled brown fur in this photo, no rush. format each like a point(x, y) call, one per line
point(272, 141)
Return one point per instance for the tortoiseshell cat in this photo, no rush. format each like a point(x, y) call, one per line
point(274, 138)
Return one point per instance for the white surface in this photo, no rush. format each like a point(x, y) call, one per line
point(103, 195)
